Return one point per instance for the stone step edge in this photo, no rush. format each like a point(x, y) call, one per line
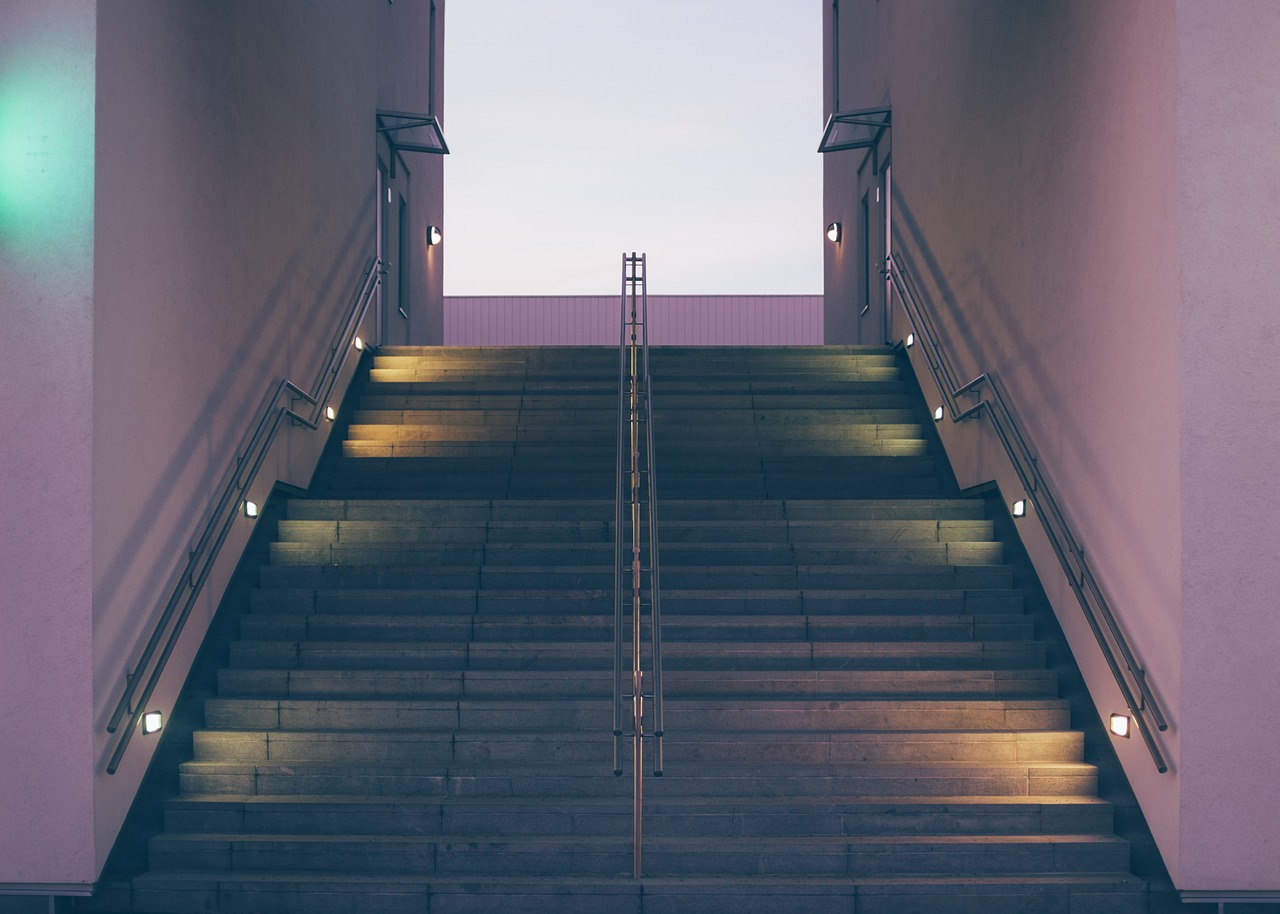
point(658, 803)
point(621, 885)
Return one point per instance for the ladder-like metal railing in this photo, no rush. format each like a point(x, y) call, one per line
point(635, 566)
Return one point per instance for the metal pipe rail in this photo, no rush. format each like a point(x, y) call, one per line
point(189, 579)
point(1097, 611)
point(636, 491)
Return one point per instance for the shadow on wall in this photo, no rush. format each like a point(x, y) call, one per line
point(158, 576)
point(976, 355)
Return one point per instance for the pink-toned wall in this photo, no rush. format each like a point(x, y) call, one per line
point(205, 177)
point(1228, 212)
point(593, 320)
point(46, 418)
point(1087, 190)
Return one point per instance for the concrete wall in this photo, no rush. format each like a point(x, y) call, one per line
point(1085, 191)
point(593, 320)
point(850, 177)
point(202, 245)
point(1228, 271)
point(46, 323)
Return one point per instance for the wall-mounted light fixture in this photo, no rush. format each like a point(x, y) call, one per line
point(250, 509)
point(911, 340)
point(330, 413)
point(833, 232)
point(1020, 508)
point(359, 344)
point(152, 721)
point(434, 235)
point(1119, 725)
point(937, 414)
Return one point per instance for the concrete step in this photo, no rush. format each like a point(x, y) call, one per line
point(815, 595)
point(677, 657)
point(601, 553)
point(602, 855)
point(536, 629)
point(278, 893)
point(575, 749)
point(390, 768)
point(275, 893)
point(670, 531)
point(990, 585)
point(371, 445)
point(296, 683)
point(672, 510)
point(689, 715)
point(668, 816)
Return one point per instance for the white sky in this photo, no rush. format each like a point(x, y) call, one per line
point(580, 129)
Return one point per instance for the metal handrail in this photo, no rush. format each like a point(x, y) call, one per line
point(190, 578)
point(635, 462)
point(1084, 584)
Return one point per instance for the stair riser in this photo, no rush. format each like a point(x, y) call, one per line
point(761, 750)
point(594, 629)
point(234, 683)
point(778, 656)
point(364, 781)
point(613, 819)
point(603, 856)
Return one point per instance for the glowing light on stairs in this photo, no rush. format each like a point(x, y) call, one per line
point(250, 509)
point(1020, 508)
point(152, 721)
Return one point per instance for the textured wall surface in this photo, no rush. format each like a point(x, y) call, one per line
point(1229, 326)
point(594, 320)
point(46, 375)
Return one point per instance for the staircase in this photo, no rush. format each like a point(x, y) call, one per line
point(417, 712)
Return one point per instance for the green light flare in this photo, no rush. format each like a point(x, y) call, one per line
point(46, 148)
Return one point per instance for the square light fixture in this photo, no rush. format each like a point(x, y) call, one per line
point(359, 344)
point(250, 508)
point(434, 235)
point(834, 232)
point(937, 414)
point(1020, 508)
point(911, 340)
point(152, 721)
point(330, 413)
point(1119, 725)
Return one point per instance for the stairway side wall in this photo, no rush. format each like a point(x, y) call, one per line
point(1229, 217)
point(235, 212)
point(1035, 171)
point(46, 375)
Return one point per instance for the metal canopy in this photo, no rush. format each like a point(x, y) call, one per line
point(412, 132)
point(854, 129)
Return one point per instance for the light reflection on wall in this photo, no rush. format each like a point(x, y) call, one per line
point(46, 146)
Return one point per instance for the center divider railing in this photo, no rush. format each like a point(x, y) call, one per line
point(635, 568)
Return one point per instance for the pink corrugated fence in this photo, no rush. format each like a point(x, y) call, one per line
point(592, 320)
